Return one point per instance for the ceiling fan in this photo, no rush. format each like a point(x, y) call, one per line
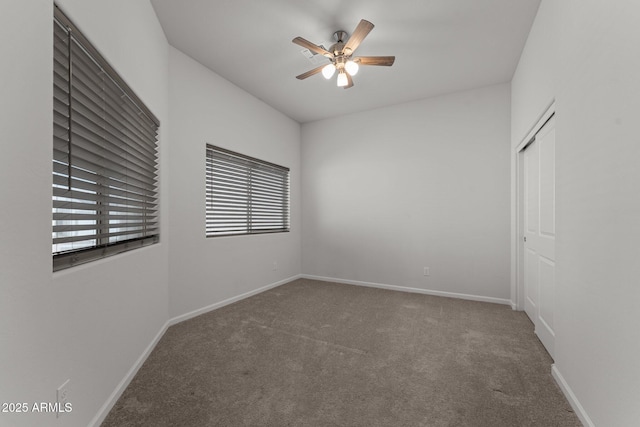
point(340, 55)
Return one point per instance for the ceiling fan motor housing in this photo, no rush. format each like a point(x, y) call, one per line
point(340, 57)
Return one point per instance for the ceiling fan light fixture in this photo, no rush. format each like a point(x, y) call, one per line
point(342, 79)
point(351, 67)
point(339, 55)
point(328, 71)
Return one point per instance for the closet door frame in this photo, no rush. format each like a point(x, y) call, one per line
point(518, 291)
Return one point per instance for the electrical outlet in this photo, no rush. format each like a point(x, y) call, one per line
point(426, 271)
point(275, 265)
point(62, 398)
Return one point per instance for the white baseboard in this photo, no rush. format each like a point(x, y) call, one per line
point(124, 383)
point(412, 290)
point(514, 306)
point(122, 386)
point(228, 301)
point(573, 400)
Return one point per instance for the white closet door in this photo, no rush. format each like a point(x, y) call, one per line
point(539, 233)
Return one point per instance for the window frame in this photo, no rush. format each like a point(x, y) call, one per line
point(115, 196)
point(265, 197)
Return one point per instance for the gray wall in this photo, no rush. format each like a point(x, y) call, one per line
point(91, 323)
point(583, 54)
point(205, 108)
point(424, 184)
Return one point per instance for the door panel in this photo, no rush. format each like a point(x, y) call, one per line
point(547, 149)
point(539, 233)
point(546, 140)
point(531, 211)
point(547, 271)
point(531, 281)
point(532, 180)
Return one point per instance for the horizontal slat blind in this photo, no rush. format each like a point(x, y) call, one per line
point(244, 195)
point(105, 161)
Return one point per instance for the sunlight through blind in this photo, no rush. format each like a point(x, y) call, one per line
point(105, 181)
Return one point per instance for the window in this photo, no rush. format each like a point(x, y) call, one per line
point(245, 195)
point(105, 155)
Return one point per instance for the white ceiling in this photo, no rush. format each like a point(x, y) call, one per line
point(441, 46)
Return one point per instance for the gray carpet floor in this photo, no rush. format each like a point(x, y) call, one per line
point(313, 353)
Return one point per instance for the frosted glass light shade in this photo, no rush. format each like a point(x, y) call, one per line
point(328, 71)
point(342, 79)
point(351, 67)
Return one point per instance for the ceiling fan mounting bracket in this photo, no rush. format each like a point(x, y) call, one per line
point(340, 36)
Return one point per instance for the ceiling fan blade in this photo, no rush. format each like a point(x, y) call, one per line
point(312, 47)
point(375, 60)
point(349, 82)
point(361, 31)
point(310, 73)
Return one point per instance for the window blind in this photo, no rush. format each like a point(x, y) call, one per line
point(244, 195)
point(105, 182)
